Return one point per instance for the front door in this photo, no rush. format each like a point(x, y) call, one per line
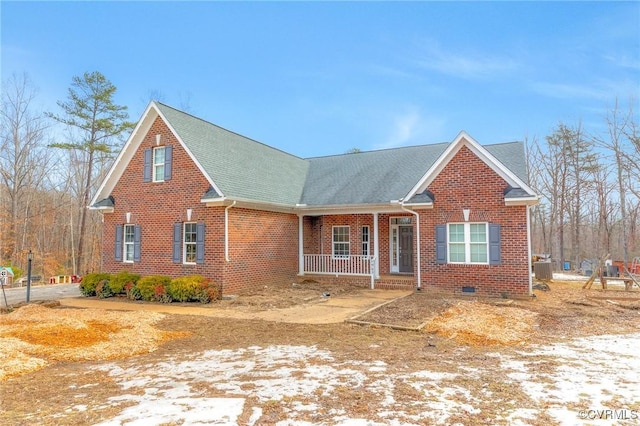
point(406, 249)
point(401, 245)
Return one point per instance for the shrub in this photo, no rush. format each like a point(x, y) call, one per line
point(209, 291)
point(90, 282)
point(132, 291)
point(103, 289)
point(193, 288)
point(147, 286)
point(121, 279)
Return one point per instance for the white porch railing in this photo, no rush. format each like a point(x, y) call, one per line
point(340, 265)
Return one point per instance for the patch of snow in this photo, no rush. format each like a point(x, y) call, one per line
point(595, 372)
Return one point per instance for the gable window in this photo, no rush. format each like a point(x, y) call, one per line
point(340, 241)
point(158, 163)
point(188, 243)
point(127, 243)
point(365, 241)
point(189, 248)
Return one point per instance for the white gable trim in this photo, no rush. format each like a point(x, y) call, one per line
point(131, 147)
point(463, 139)
point(193, 158)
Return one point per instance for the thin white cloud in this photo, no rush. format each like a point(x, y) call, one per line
point(412, 128)
point(466, 65)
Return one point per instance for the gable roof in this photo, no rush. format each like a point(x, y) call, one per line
point(242, 169)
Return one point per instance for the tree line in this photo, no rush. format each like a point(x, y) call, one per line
point(50, 164)
point(52, 161)
point(589, 187)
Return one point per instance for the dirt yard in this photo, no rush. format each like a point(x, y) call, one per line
point(565, 357)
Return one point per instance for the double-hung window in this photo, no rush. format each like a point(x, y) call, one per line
point(128, 242)
point(468, 243)
point(189, 242)
point(158, 163)
point(340, 241)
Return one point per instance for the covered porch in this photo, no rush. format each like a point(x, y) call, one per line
point(377, 249)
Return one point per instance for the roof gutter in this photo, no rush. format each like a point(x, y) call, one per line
point(417, 215)
point(226, 230)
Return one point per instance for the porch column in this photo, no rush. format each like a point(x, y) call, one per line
point(300, 246)
point(375, 244)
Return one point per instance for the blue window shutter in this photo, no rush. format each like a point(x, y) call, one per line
point(177, 241)
point(118, 254)
point(441, 244)
point(200, 243)
point(147, 165)
point(136, 243)
point(168, 161)
point(494, 244)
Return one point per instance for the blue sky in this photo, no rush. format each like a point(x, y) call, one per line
point(319, 78)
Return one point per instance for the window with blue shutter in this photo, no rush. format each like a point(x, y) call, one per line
point(118, 248)
point(147, 165)
point(168, 161)
point(200, 243)
point(495, 253)
point(441, 244)
point(177, 242)
point(136, 243)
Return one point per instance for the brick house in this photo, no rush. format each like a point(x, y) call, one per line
point(185, 196)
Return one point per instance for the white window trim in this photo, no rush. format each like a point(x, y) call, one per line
point(185, 243)
point(126, 243)
point(366, 245)
point(334, 242)
point(467, 243)
point(154, 165)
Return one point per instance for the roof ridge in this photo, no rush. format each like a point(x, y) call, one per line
point(229, 131)
point(397, 148)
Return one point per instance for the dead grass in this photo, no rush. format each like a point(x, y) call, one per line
point(34, 335)
point(480, 324)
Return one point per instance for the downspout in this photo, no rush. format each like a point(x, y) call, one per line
point(226, 231)
point(417, 215)
point(529, 249)
point(300, 245)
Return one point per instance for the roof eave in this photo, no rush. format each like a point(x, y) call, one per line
point(522, 201)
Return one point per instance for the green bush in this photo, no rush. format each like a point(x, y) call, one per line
point(121, 279)
point(90, 282)
point(153, 287)
point(103, 289)
point(194, 288)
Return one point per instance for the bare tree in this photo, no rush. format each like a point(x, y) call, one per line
point(23, 161)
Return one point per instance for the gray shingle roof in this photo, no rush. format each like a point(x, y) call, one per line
point(243, 168)
point(240, 167)
point(368, 177)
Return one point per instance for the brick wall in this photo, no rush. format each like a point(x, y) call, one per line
point(467, 182)
point(263, 250)
point(263, 245)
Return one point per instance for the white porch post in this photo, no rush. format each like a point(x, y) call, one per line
point(375, 244)
point(300, 246)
